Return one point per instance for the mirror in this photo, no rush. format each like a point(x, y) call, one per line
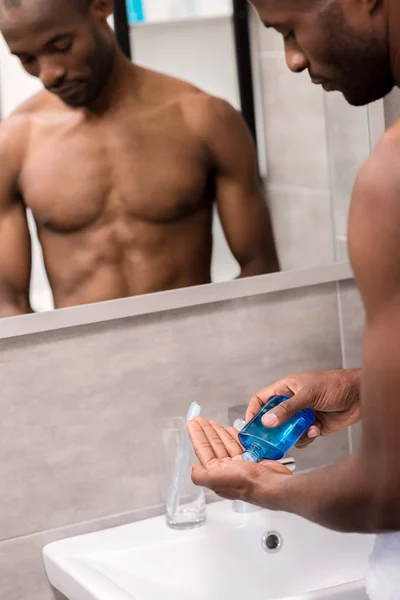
point(349, 144)
point(164, 193)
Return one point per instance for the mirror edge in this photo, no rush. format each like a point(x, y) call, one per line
point(171, 300)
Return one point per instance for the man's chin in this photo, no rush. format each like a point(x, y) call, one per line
point(363, 97)
point(74, 103)
point(81, 100)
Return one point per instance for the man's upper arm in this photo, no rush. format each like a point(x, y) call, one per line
point(241, 203)
point(375, 253)
point(15, 245)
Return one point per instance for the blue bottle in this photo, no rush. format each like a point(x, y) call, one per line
point(272, 444)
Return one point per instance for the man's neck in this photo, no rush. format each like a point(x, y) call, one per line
point(119, 82)
point(394, 37)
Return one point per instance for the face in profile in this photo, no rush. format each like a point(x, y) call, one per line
point(344, 46)
point(64, 43)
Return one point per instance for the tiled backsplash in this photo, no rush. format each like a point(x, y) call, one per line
point(352, 322)
point(79, 408)
point(392, 107)
point(315, 144)
point(297, 157)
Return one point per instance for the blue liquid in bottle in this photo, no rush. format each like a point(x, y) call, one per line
point(260, 442)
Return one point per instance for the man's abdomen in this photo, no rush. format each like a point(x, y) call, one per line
point(128, 259)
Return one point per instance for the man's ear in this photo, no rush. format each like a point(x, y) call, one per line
point(102, 9)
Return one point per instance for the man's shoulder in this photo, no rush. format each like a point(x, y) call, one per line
point(12, 142)
point(205, 106)
point(389, 143)
point(163, 88)
point(14, 130)
point(208, 115)
point(12, 133)
point(197, 106)
point(383, 164)
point(33, 105)
point(374, 224)
point(376, 196)
point(18, 123)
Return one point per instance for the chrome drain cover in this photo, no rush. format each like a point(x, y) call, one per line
point(272, 542)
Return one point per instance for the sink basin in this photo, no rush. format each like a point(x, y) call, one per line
point(226, 558)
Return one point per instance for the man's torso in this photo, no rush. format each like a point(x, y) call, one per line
point(123, 202)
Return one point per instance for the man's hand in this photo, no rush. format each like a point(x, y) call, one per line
point(223, 471)
point(334, 396)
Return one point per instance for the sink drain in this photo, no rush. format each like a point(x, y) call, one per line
point(272, 542)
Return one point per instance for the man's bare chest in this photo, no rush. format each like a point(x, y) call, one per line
point(78, 176)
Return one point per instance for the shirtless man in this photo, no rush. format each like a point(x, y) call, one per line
point(352, 46)
point(121, 167)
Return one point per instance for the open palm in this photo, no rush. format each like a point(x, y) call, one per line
point(222, 469)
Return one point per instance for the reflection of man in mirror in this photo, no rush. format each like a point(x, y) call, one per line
point(121, 167)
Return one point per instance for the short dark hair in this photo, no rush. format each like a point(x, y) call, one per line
point(81, 4)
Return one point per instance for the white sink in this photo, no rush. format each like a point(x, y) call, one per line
point(222, 560)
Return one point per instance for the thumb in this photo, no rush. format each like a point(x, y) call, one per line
point(286, 410)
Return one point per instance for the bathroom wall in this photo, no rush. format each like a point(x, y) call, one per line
point(298, 176)
point(349, 145)
point(78, 443)
point(315, 145)
point(351, 323)
point(392, 107)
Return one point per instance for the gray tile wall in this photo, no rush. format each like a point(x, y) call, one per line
point(79, 407)
point(297, 158)
point(316, 143)
point(351, 313)
point(352, 323)
point(392, 107)
point(348, 147)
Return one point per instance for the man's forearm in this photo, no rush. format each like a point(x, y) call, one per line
point(342, 497)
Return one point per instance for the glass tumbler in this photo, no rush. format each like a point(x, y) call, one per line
point(184, 502)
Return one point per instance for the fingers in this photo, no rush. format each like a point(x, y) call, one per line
point(314, 432)
point(280, 388)
point(286, 410)
point(201, 444)
point(255, 405)
point(212, 441)
point(229, 439)
point(310, 436)
point(235, 434)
